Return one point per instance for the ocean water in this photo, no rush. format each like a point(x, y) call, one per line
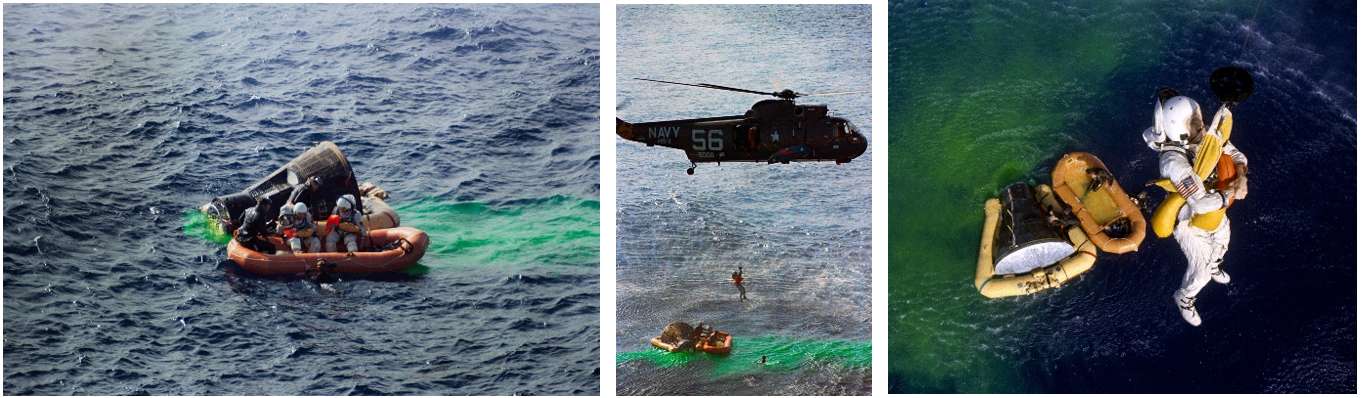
point(801, 231)
point(985, 94)
point(120, 120)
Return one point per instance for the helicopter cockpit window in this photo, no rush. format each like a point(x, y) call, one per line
point(841, 129)
point(851, 129)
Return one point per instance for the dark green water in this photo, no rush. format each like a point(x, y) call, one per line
point(990, 93)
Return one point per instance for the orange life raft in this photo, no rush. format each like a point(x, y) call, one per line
point(723, 346)
point(410, 246)
point(1100, 208)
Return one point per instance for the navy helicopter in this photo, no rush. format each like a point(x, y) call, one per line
point(773, 131)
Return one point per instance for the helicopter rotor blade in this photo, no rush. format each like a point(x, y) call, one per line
point(834, 93)
point(716, 87)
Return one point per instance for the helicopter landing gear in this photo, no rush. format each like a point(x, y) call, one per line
point(691, 171)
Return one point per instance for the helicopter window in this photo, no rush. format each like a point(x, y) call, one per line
point(851, 128)
point(799, 111)
point(841, 129)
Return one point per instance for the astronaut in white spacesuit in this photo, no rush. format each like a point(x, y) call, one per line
point(1177, 134)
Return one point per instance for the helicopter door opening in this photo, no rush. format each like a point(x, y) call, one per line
point(747, 136)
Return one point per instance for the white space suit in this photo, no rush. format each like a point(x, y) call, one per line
point(1176, 135)
point(349, 218)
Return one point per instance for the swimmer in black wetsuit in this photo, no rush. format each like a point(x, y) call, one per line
point(255, 225)
point(323, 276)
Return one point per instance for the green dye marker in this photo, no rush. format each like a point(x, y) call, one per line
point(780, 354)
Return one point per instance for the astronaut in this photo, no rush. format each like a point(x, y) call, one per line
point(349, 227)
point(298, 230)
point(1201, 229)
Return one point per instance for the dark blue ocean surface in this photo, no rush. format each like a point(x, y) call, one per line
point(120, 120)
point(986, 94)
point(802, 231)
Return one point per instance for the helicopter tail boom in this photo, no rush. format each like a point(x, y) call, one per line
point(624, 129)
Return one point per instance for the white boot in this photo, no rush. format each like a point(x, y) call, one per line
point(1218, 275)
point(1187, 306)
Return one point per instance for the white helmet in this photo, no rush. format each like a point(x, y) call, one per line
point(300, 208)
point(345, 202)
point(1176, 121)
point(286, 210)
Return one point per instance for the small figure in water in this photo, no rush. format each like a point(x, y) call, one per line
point(737, 281)
point(323, 276)
point(763, 360)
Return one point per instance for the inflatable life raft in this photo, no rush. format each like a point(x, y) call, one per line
point(723, 344)
point(324, 161)
point(1020, 253)
point(397, 249)
point(1101, 208)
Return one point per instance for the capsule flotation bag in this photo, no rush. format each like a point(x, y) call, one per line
point(1210, 156)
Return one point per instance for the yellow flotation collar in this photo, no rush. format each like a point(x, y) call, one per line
point(1207, 158)
point(348, 227)
point(995, 286)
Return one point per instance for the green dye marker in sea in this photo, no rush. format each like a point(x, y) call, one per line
point(781, 354)
point(199, 225)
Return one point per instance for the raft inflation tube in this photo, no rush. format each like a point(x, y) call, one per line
point(1020, 253)
point(385, 250)
point(723, 345)
point(1098, 209)
point(324, 160)
point(676, 337)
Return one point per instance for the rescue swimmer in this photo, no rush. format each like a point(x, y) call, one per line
point(1204, 173)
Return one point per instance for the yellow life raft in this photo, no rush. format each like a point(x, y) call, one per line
point(1098, 208)
point(994, 285)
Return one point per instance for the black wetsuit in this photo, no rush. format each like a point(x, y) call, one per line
point(324, 277)
point(252, 226)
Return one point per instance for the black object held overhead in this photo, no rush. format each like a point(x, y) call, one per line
point(1231, 85)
